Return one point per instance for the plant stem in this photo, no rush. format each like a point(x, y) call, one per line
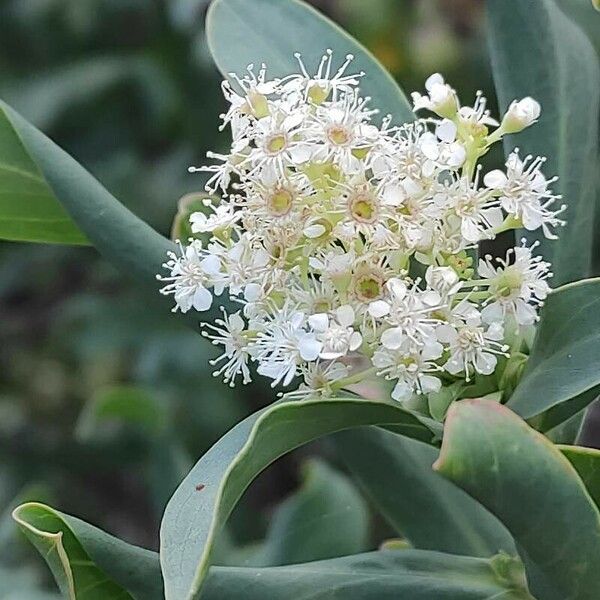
point(483, 295)
point(356, 378)
point(475, 282)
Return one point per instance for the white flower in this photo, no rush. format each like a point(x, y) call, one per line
point(283, 345)
point(253, 100)
point(242, 262)
point(317, 88)
point(334, 264)
point(278, 143)
point(221, 173)
point(517, 287)
point(319, 380)
point(337, 335)
point(443, 280)
point(337, 131)
point(441, 98)
point(222, 216)
point(192, 274)
point(408, 312)
point(229, 332)
point(477, 210)
point(411, 369)
point(319, 297)
point(477, 116)
point(443, 148)
point(472, 347)
point(524, 193)
point(520, 114)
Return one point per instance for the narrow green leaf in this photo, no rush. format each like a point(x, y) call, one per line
point(568, 431)
point(29, 210)
point(92, 557)
point(206, 497)
point(583, 14)
point(587, 463)
point(532, 488)
point(385, 575)
point(87, 563)
point(327, 517)
point(271, 31)
point(566, 353)
point(562, 413)
point(430, 512)
point(537, 51)
point(121, 237)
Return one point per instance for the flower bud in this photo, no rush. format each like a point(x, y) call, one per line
point(443, 280)
point(441, 100)
point(520, 114)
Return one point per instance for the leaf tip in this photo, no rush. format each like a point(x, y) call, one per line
point(457, 413)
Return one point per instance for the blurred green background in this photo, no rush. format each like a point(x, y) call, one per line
point(104, 404)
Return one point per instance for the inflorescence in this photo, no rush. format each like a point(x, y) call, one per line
point(348, 242)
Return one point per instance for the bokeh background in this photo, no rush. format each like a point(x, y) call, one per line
point(105, 403)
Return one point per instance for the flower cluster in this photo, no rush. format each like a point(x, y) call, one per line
point(348, 241)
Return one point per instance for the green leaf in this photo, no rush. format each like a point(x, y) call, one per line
point(271, 31)
point(87, 563)
point(565, 411)
point(537, 51)
point(327, 517)
point(566, 353)
point(567, 432)
point(29, 210)
point(204, 500)
point(121, 237)
point(532, 488)
point(385, 575)
point(583, 14)
point(430, 512)
point(439, 402)
point(587, 463)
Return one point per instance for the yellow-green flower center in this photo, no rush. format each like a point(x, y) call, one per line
point(363, 207)
point(276, 143)
point(508, 282)
point(280, 202)
point(368, 287)
point(321, 305)
point(338, 135)
point(318, 94)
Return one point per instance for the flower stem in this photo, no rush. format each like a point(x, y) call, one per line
point(483, 295)
point(356, 378)
point(475, 282)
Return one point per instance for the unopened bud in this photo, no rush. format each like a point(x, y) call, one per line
point(520, 114)
point(441, 100)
